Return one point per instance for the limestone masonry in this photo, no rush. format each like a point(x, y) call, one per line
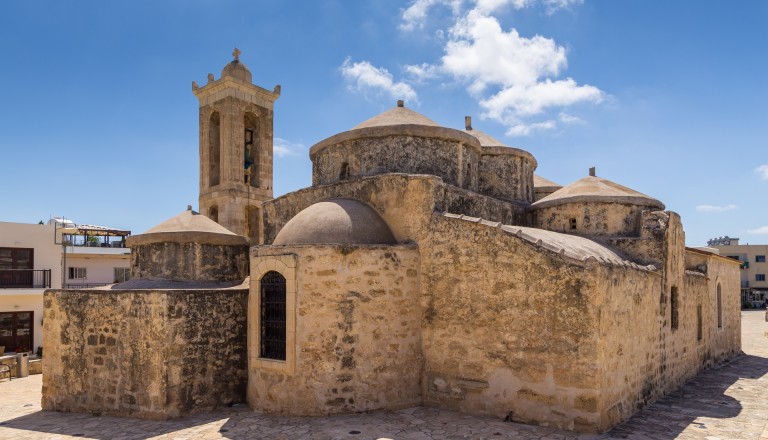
point(425, 266)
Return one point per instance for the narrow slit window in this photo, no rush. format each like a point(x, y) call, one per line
point(674, 319)
point(273, 316)
point(698, 323)
point(719, 307)
point(573, 223)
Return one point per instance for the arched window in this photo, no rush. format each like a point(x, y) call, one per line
point(272, 316)
point(344, 173)
point(719, 307)
point(213, 213)
point(214, 150)
point(251, 149)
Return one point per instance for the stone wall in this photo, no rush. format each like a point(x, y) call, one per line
point(405, 202)
point(507, 174)
point(189, 261)
point(450, 159)
point(592, 218)
point(353, 332)
point(509, 329)
point(144, 353)
point(666, 351)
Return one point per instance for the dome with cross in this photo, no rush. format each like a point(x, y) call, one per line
point(236, 69)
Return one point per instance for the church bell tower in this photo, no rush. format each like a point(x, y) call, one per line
point(235, 149)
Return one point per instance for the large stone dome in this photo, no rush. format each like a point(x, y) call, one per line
point(336, 221)
point(398, 140)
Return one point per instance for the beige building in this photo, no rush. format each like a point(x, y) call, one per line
point(754, 268)
point(30, 262)
point(425, 265)
point(35, 257)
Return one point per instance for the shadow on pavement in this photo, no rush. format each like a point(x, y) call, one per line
point(107, 427)
point(702, 396)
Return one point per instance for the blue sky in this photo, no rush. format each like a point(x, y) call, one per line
point(98, 122)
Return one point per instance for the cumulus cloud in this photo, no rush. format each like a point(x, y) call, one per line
point(715, 208)
point(513, 78)
point(762, 171)
point(283, 148)
point(415, 16)
point(761, 230)
point(364, 77)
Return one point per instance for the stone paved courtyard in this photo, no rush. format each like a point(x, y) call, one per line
point(728, 402)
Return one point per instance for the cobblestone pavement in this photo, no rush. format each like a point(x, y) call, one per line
point(727, 402)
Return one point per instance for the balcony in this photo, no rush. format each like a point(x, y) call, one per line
point(745, 284)
point(84, 285)
point(25, 278)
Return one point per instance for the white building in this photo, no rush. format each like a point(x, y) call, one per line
point(35, 257)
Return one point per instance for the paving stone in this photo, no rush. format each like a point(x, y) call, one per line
point(722, 403)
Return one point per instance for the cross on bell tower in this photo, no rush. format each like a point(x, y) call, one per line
point(235, 148)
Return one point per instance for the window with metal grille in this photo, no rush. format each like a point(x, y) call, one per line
point(272, 315)
point(674, 321)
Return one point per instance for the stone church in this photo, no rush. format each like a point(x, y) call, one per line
point(426, 265)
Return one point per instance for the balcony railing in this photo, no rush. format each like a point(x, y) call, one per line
point(84, 285)
point(25, 278)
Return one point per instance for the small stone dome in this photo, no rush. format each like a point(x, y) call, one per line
point(236, 69)
point(597, 189)
point(336, 221)
point(188, 227)
point(399, 115)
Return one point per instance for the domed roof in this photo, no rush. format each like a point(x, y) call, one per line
point(336, 221)
point(188, 227)
point(398, 121)
point(492, 146)
point(540, 182)
point(397, 116)
point(236, 69)
point(597, 189)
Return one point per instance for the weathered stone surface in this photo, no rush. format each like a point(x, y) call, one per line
point(189, 261)
point(354, 338)
point(454, 161)
point(148, 354)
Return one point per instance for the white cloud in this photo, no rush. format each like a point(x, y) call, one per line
point(761, 230)
point(762, 170)
point(365, 77)
point(283, 148)
point(523, 129)
point(513, 78)
point(415, 15)
point(565, 118)
point(714, 208)
point(553, 6)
